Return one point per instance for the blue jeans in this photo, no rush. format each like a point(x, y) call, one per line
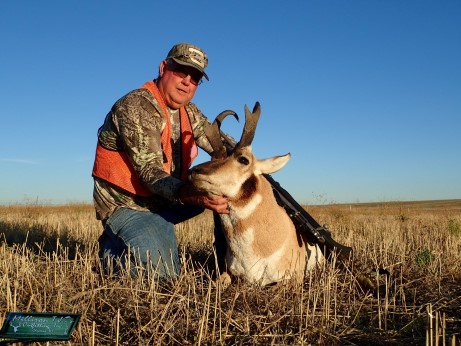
point(144, 240)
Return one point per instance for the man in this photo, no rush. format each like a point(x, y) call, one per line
point(145, 148)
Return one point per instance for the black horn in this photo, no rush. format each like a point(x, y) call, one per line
point(251, 120)
point(213, 133)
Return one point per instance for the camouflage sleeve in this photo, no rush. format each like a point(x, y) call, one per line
point(139, 124)
point(199, 121)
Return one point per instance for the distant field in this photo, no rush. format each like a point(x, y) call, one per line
point(49, 262)
point(452, 205)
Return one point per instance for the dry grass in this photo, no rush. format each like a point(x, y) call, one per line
point(49, 262)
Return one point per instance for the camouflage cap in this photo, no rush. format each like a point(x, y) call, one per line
point(189, 55)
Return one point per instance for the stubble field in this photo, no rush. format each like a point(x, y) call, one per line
point(49, 262)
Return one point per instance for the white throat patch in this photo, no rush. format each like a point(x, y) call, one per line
point(248, 209)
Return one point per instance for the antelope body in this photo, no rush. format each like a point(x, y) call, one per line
point(263, 244)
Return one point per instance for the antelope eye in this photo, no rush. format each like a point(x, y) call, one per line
point(243, 160)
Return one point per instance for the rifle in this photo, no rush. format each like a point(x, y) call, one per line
point(302, 220)
point(305, 223)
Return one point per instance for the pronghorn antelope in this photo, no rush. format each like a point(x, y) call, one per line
point(262, 242)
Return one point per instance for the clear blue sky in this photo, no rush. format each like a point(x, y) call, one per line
point(366, 95)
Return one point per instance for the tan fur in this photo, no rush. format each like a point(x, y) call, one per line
point(263, 244)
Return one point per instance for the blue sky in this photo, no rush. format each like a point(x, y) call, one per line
point(365, 95)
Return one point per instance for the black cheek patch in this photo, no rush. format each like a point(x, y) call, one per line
point(248, 188)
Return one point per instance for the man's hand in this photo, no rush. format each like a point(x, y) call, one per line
point(188, 194)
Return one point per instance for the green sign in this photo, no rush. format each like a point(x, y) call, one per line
point(40, 326)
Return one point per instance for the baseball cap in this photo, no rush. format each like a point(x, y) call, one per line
point(189, 55)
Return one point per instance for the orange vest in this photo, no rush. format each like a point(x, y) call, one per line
point(115, 167)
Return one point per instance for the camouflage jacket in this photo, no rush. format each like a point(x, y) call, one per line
point(134, 125)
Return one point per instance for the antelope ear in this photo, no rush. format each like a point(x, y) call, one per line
point(271, 165)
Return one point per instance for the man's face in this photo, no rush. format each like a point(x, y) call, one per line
point(178, 83)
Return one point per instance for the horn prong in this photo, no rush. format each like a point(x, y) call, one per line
point(251, 121)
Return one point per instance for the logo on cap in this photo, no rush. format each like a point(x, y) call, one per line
point(197, 57)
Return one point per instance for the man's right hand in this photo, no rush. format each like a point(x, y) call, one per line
point(188, 194)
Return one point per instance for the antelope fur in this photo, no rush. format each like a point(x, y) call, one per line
point(263, 244)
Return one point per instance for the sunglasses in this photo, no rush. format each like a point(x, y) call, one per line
point(184, 71)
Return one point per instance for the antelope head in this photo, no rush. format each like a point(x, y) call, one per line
point(234, 175)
